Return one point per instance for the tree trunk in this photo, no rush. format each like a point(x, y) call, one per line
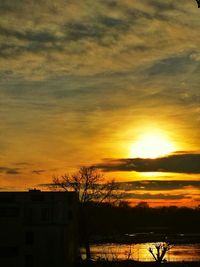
point(87, 249)
point(85, 230)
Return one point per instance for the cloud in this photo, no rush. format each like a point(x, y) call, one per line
point(172, 65)
point(152, 185)
point(9, 170)
point(81, 74)
point(158, 185)
point(113, 36)
point(124, 189)
point(38, 172)
point(176, 163)
point(148, 196)
point(22, 163)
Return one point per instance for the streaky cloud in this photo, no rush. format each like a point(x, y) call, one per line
point(148, 196)
point(38, 172)
point(9, 170)
point(175, 163)
point(158, 185)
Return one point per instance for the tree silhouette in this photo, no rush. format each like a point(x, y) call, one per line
point(159, 251)
point(90, 186)
point(88, 183)
point(142, 205)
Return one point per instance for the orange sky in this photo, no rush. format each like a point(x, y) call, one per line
point(81, 82)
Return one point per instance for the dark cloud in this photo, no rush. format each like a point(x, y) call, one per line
point(40, 40)
point(147, 185)
point(172, 65)
point(114, 23)
point(135, 15)
point(41, 36)
point(64, 28)
point(9, 170)
point(151, 185)
point(158, 185)
point(32, 41)
point(38, 171)
point(7, 50)
point(177, 163)
point(147, 196)
point(22, 163)
point(163, 6)
point(78, 74)
point(96, 30)
point(77, 31)
point(10, 5)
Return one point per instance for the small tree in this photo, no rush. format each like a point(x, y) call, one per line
point(142, 205)
point(91, 186)
point(159, 251)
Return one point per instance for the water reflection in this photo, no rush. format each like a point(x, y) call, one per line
point(139, 252)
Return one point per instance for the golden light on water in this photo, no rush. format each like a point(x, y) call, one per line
point(140, 252)
point(152, 145)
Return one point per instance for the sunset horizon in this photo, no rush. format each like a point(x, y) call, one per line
point(110, 84)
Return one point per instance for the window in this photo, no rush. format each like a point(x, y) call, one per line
point(29, 236)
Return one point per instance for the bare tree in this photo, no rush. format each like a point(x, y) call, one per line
point(159, 251)
point(91, 186)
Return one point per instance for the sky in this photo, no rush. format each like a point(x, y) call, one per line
point(102, 83)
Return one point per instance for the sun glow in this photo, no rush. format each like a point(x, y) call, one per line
point(152, 145)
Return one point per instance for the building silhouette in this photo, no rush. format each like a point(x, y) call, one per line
point(38, 229)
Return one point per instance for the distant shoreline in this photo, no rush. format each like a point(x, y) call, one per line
point(148, 238)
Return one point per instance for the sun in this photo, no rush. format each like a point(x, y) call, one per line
point(152, 145)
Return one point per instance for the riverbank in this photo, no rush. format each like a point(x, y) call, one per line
point(140, 252)
point(130, 263)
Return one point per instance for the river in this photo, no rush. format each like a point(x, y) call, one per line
point(139, 252)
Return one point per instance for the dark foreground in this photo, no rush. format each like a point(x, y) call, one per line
point(130, 263)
